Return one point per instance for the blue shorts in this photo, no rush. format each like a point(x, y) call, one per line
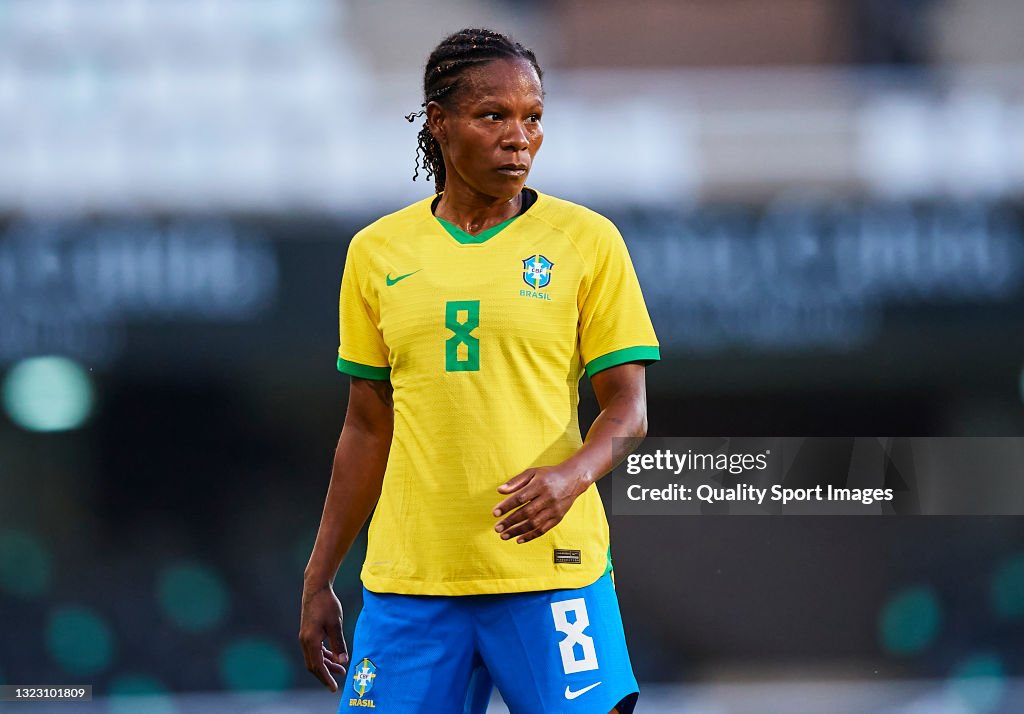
point(548, 651)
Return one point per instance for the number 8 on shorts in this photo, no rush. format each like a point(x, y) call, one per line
point(574, 635)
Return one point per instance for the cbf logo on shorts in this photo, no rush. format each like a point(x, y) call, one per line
point(537, 271)
point(362, 681)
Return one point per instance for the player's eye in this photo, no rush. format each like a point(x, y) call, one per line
point(535, 118)
point(492, 115)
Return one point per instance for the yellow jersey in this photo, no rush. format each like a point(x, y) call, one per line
point(484, 339)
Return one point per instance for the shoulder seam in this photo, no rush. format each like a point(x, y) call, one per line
point(385, 232)
point(568, 236)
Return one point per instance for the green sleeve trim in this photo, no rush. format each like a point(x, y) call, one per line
point(363, 371)
point(629, 354)
point(608, 568)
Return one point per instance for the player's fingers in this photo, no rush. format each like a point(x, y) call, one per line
point(541, 506)
point(325, 677)
point(542, 518)
point(519, 515)
point(517, 481)
point(333, 666)
point(338, 651)
point(537, 532)
point(517, 499)
point(519, 528)
point(530, 514)
point(320, 671)
point(312, 647)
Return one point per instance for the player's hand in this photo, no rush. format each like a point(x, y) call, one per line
point(540, 498)
point(321, 620)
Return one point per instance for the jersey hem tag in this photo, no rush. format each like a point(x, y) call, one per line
point(574, 557)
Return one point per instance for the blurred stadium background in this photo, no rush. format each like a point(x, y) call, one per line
point(823, 199)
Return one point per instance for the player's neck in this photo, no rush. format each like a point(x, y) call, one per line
point(474, 212)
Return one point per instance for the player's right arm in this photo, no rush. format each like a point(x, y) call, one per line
point(356, 479)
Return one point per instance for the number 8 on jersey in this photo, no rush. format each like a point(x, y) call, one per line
point(462, 350)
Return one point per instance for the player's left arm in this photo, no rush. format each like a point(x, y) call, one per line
point(538, 498)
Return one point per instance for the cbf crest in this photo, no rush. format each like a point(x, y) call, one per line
point(362, 679)
point(537, 271)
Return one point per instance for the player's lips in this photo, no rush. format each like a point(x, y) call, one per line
point(513, 169)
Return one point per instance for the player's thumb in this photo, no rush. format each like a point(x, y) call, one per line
point(516, 482)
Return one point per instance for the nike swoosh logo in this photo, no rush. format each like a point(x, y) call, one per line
point(391, 281)
point(569, 694)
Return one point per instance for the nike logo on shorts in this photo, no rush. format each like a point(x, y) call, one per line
point(569, 694)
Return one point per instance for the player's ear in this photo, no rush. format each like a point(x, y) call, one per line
point(436, 117)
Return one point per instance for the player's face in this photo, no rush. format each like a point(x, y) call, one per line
point(490, 138)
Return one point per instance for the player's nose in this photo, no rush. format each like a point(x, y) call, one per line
point(515, 137)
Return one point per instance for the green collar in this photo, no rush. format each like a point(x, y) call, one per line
point(466, 239)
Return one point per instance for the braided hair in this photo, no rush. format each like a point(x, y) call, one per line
point(471, 47)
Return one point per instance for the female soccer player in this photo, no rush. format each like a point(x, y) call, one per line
point(467, 321)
